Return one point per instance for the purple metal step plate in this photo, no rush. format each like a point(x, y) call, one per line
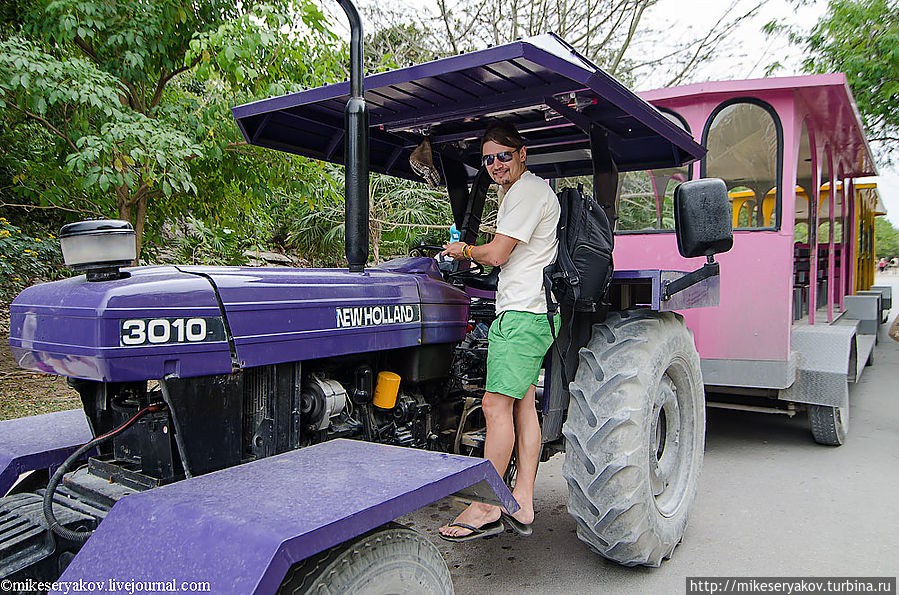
point(242, 528)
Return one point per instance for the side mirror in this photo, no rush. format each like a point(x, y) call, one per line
point(702, 218)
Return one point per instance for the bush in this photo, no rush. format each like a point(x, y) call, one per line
point(209, 245)
point(26, 260)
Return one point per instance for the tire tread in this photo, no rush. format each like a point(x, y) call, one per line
point(605, 436)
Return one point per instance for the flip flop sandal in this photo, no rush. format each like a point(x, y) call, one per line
point(487, 530)
point(521, 528)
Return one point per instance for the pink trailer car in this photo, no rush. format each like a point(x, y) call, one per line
point(798, 315)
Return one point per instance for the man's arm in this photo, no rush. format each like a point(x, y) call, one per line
point(495, 253)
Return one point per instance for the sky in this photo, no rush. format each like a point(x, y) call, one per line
point(754, 51)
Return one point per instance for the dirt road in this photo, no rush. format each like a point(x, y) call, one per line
point(771, 503)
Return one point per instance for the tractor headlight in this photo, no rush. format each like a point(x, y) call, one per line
point(98, 248)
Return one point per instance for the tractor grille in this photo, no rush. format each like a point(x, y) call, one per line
point(271, 397)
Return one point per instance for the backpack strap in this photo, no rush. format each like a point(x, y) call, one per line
point(559, 269)
point(551, 308)
point(567, 268)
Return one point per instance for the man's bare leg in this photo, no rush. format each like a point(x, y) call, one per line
point(498, 411)
point(527, 451)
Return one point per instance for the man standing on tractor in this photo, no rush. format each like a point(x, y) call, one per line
point(525, 243)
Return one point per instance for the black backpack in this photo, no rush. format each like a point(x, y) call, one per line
point(582, 271)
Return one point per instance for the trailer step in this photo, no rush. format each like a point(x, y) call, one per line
point(864, 345)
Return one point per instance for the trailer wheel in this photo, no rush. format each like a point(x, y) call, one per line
point(635, 434)
point(390, 559)
point(829, 425)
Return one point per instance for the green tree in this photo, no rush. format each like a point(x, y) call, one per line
point(396, 45)
point(132, 99)
point(886, 239)
point(402, 212)
point(860, 38)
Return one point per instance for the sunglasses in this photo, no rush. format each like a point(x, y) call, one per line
point(503, 156)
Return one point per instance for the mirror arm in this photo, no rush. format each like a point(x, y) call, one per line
point(710, 269)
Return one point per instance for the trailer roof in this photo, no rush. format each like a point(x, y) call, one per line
point(825, 99)
point(550, 92)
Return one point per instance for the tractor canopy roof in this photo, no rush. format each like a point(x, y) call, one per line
point(550, 92)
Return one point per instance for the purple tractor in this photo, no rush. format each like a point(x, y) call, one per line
point(259, 430)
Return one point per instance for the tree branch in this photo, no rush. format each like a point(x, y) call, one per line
point(29, 207)
point(135, 99)
point(86, 48)
point(444, 14)
point(165, 78)
point(47, 125)
point(635, 20)
point(714, 37)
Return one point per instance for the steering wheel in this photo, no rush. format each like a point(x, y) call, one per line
point(422, 248)
point(475, 269)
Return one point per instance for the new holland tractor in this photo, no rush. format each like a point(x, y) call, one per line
point(260, 429)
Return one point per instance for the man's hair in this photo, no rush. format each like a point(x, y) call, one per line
point(504, 134)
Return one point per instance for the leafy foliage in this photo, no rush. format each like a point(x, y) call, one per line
point(860, 38)
point(401, 214)
point(886, 242)
point(637, 202)
point(209, 244)
point(25, 260)
point(133, 100)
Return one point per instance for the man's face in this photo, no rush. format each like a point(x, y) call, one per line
point(505, 173)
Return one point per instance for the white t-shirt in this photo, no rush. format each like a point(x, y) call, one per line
point(529, 212)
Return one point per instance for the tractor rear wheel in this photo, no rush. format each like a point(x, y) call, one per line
point(635, 434)
point(390, 559)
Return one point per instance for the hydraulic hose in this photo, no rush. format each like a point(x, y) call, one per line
point(52, 522)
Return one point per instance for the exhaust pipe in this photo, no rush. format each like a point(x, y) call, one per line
point(356, 151)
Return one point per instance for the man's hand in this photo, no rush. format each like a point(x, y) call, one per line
point(454, 250)
point(495, 253)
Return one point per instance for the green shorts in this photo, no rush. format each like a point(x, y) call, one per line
point(516, 345)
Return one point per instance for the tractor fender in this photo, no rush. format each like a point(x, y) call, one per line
point(242, 528)
point(39, 442)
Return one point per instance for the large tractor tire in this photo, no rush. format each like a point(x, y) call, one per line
point(390, 559)
point(635, 434)
point(829, 425)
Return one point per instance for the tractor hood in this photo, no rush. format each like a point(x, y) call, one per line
point(195, 321)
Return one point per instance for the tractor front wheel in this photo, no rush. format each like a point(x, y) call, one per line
point(390, 559)
point(635, 434)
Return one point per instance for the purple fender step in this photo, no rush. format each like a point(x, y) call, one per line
point(242, 528)
point(39, 442)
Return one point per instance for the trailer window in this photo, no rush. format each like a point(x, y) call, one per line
point(646, 198)
point(745, 148)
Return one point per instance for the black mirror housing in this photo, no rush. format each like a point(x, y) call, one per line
point(702, 218)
